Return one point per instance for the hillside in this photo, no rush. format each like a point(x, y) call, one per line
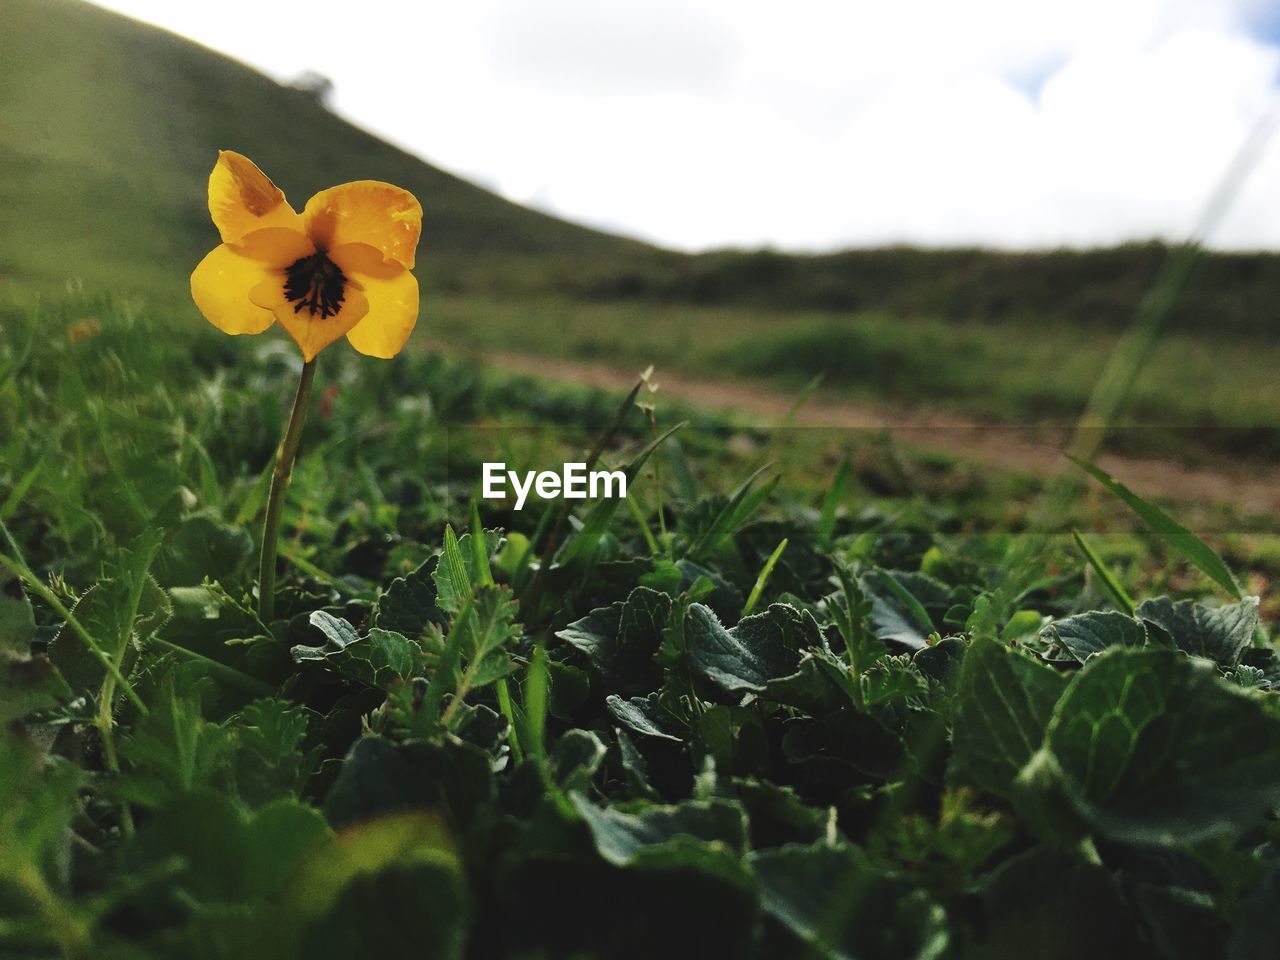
point(108, 129)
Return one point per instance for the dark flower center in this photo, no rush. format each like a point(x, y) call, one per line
point(315, 284)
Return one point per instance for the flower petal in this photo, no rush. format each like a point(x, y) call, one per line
point(220, 286)
point(367, 211)
point(276, 246)
point(311, 333)
point(243, 199)
point(393, 312)
point(392, 293)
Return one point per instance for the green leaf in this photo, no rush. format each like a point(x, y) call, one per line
point(700, 584)
point(621, 640)
point(174, 751)
point(1003, 704)
point(625, 839)
point(17, 621)
point(665, 577)
point(528, 722)
point(891, 680)
point(830, 899)
point(647, 716)
point(401, 910)
point(1151, 747)
point(389, 887)
point(462, 567)
point(754, 596)
point(268, 762)
point(1184, 924)
point(575, 760)
point(1173, 533)
point(27, 683)
point(1088, 633)
point(900, 602)
point(379, 778)
point(778, 815)
point(822, 684)
point(733, 512)
point(37, 804)
point(380, 659)
point(200, 549)
point(1220, 634)
point(1051, 906)
point(232, 857)
point(122, 615)
point(760, 648)
point(835, 495)
point(634, 766)
point(409, 606)
point(476, 651)
point(942, 661)
point(1256, 935)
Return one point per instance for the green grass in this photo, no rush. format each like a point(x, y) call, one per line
point(461, 737)
point(1194, 395)
point(435, 743)
point(108, 129)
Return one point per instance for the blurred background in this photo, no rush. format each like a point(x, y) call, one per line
point(951, 214)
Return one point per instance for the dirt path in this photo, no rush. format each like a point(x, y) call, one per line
point(1014, 449)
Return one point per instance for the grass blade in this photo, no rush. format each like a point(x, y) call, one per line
point(582, 549)
point(20, 490)
point(457, 567)
point(908, 600)
point(831, 503)
point(484, 575)
point(761, 580)
point(1119, 597)
point(537, 685)
point(741, 505)
point(1173, 533)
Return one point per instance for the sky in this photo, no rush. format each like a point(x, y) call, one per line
point(808, 124)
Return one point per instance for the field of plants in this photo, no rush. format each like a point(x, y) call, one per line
point(804, 692)
point(106, 125)
point(790, 712)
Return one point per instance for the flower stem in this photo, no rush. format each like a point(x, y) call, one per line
point(285, 456)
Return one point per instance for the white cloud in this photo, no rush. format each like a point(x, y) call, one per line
point(811, 125)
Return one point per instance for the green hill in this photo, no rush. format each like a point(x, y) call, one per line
point(108, 130)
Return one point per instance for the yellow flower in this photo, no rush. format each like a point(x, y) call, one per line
point(340, 267)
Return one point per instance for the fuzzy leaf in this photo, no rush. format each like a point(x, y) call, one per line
point(1220, 634)
point(621, 640)
point(830, 899)
point(645, 716)
point(1088, 633)
point(762, 647)
point(895, 620)
point(1150, 747)
point(625, 838)
point(409, 605)
point(380, 659)
point(1003, 703)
